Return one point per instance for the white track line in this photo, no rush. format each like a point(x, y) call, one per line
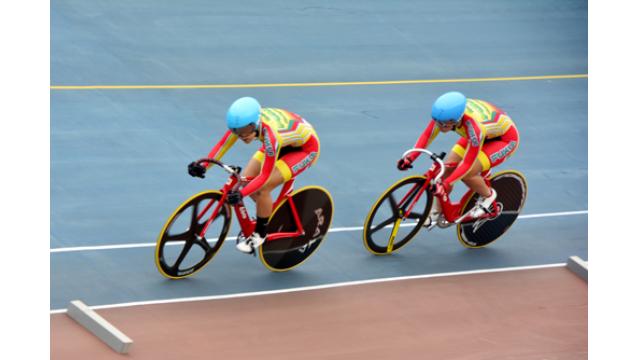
point(316, 287)
point(233, 238)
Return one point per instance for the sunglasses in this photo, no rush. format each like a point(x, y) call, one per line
point(447, 123)
point(244, 131)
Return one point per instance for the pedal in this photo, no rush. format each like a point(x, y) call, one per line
point(241, 237)
point(433, 223)
point(430, 224)
point(496, 210)
point(465, 218)
point(443, 223)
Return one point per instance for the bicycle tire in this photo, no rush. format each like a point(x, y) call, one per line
point(315, 208)
point(169, 241)
point(386, 243)
point(511, 186)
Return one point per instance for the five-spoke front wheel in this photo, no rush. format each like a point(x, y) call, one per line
point(182, 249)
point(396, 217)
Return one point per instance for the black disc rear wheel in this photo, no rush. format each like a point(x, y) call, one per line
point(511, 187)
point(315, 209)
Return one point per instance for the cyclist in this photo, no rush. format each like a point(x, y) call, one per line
point(488, 138)
point(289, 144)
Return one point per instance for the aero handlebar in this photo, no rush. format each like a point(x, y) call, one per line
point(233, 170)
point(434, 157)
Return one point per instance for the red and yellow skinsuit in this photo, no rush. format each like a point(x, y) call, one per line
point(290, 144)
point(487, 134)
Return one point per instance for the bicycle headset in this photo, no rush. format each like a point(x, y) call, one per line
point(243, 112)
point(449, 107)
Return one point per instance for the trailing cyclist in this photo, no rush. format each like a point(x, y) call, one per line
point(289, 144)
point(488, 138)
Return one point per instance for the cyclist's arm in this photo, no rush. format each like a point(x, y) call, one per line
point(427, 137)
point(476, 137)
point(271, 150)
point(218, 151)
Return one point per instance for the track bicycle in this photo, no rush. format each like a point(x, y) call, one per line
point(196, 230)
point(403, 209)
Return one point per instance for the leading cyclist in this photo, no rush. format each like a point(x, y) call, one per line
point(488, 138)
point(289, 144)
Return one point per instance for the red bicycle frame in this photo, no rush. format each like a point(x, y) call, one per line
point(247, 225)
point(450, 210)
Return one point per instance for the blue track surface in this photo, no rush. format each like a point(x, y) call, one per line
point(118, 157)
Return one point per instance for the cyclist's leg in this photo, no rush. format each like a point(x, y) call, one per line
point(493, 153)
point(263, 201)
point(473, 179)
point(288, 166)
point(262, 196)
point(476, 182)
point(499, 151)
point(455, 156)
point(452, 160)
point(253, 168)
point(294, 163)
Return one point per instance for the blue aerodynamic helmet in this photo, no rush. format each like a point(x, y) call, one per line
point(449, 107)
point(243, 112)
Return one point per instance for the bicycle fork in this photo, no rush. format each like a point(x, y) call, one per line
point(413, 196)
